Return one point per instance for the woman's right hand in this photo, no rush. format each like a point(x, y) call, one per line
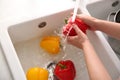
point(89, 20)
point(79, 39)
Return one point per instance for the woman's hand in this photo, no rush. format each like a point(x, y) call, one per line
point(79, 39)
point(89, 20)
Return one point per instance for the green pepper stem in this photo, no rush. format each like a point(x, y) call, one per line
point(62, 66)
point(66, 21)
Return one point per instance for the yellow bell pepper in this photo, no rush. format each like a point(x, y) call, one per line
point(37, 73)
point(51, 44)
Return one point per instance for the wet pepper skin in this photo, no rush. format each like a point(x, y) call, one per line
point(65, 70)
point(78, 22)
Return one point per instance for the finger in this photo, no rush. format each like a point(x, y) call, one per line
point(70, 38)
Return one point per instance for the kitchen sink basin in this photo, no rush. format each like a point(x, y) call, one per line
point(102, 9)
point(21, 45)
point(26, 37)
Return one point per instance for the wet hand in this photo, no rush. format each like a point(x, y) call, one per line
point(79, 39)
point(89, 20)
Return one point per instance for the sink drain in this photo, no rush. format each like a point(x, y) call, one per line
point(42, 24)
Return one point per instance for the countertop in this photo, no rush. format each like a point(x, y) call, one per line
point(12, 9)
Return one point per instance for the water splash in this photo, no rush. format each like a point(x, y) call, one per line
point(73, 19)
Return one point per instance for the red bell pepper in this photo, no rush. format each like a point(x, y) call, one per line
point(65, 70)
point(78, 22)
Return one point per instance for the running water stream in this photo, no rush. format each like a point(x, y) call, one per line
point(73, 19)
point(52, 64)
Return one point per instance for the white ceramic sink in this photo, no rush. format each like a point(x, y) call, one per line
point(101, 9)
point(20, 42)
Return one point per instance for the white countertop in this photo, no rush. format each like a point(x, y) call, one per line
point(12, 9)
point(4, 69)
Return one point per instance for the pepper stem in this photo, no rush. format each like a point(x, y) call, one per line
point(66, 20)
point(62, 66)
